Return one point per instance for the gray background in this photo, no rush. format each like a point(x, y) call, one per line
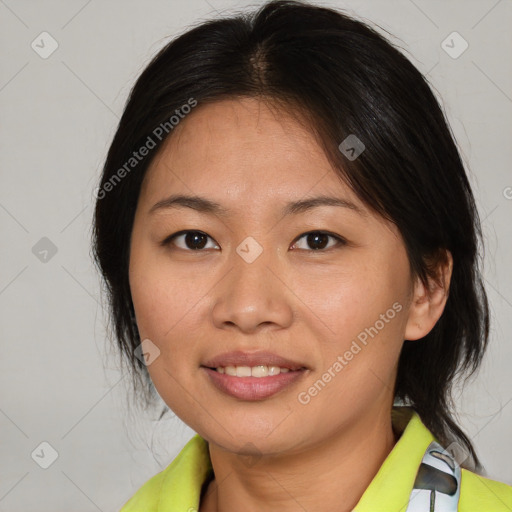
point(60, 382)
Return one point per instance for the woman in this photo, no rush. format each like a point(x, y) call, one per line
point(290, 245)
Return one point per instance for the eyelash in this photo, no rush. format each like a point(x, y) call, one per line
point(340, 241)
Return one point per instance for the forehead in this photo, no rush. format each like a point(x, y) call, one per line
point(243, 150)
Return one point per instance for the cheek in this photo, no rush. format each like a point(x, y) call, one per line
point(351, 298)
point(363, 321)
point(166, 305)
point(360, 347)
point(169, 301)
point(164, 296)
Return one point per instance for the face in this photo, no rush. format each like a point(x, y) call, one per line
point(321, 289)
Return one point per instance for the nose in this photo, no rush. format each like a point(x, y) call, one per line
point(253, 297)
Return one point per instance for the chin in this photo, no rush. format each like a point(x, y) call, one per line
point(252, 442)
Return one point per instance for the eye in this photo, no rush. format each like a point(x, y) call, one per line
point(190, 240)
point(318, 240)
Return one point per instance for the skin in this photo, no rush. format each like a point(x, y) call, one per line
point(301, 303)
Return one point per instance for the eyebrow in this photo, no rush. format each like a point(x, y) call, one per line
point(203, 205)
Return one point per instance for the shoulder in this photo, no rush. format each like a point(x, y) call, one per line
point(478, 493)
point(147, 496)
point(177, 487)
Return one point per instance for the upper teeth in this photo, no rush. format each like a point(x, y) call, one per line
point(254, 371)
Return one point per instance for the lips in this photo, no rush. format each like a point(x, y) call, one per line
point(238, 384)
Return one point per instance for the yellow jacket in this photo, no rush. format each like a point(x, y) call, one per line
point(177, 488)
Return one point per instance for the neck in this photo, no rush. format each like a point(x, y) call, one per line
point(335, 472)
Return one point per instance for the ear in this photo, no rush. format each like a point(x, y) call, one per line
point(428, 303)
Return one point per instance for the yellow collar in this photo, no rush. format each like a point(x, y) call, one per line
point(391, 487)
point(178, 486)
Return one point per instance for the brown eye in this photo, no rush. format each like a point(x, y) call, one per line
point(319, 240)
point(189, 240)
